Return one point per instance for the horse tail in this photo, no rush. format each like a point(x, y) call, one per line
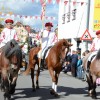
point(27, 71)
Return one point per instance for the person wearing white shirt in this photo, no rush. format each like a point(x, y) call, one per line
point(47, 37)
point(94, 47)
point(8, 33)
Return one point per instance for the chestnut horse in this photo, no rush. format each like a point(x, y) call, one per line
point(10, 63)
point(92, 73)
point(54, 62)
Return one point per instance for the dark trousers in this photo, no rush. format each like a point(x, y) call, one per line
point(73, 69)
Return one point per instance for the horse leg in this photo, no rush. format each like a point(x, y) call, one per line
point(2, 87)
point(32, 77)
point(6, 84)
point(55, 88)
point(13, 75)
point(93, 91)
point(37, 77)
point(53, 91)
point(89, 83)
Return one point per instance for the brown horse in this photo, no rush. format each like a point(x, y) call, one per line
point(54, 62)
point(10, 63)
point(92, 73)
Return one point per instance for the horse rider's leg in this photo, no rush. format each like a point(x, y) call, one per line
point(40, 57)
point(89, 59)
point(37, 77)
point(6, 83)
point(32, 77)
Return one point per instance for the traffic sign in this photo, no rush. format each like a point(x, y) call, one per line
point(86, 36)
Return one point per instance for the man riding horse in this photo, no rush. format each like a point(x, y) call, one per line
point(8, 33)
point(94, 48)
point(47, 39)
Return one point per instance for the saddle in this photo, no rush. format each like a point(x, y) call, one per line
point(89, 62)
point(43, 62)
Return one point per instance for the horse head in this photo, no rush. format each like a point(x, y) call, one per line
point(10, 62)
point(65, 45)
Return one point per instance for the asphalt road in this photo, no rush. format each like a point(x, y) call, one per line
point(69, 88)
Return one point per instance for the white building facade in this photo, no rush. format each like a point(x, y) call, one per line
point(74, 19)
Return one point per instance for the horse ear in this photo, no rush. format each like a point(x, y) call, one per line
point(11, 44)
point(70, 44)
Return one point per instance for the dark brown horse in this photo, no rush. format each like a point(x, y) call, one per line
point(54, 63)
point(92, 73)
point(10, 63)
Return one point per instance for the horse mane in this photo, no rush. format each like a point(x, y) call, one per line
point(61, 42)
point(9, 46)
point(12, 49)
point(59, 49)
point(98, 55)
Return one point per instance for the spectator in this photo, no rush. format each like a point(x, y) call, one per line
point(74, 58)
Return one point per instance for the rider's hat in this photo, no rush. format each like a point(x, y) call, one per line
point(97, 32)
point(9, 21)
point(48, 24)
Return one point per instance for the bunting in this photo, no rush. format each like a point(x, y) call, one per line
point(23, 16)
point(48, 1)
point(43, 4)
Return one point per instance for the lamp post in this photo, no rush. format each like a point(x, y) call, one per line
point(87, 24)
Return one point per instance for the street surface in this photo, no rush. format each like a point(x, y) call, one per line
point(69, 88)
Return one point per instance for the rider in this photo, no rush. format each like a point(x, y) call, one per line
point(94, 47)
point(8, 33)
point(48, 37)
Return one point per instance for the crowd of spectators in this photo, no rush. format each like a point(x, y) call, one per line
point(73, 63)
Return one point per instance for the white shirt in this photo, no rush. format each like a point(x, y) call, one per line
point(7, 35)
point(95, 44)
point(47, 39)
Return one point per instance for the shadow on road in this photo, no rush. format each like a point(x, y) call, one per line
point(44, 94)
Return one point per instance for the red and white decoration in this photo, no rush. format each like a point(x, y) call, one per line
point(23, 16)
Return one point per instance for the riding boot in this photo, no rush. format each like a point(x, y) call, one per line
point(41, 66)
point(88, 65)
point(44, 64)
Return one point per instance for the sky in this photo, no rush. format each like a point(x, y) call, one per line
point(29, 8)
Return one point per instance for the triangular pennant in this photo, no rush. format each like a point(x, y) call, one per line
point(57, 1)
point(32, 0)
point(49, 1)
point(74, 3)
point(86, 36)
point(82, 3)
point(65, 2)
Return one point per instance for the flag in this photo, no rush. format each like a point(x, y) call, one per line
point(43, 9)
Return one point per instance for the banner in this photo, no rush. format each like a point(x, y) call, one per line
point(96, 20)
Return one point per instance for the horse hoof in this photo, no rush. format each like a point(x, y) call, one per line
point(56, 95)
point(94, 97)
point(2, 90)
point(52, 92)
point(7, 97)
point(37, 87)
point(33, 89)
point(12, 92)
